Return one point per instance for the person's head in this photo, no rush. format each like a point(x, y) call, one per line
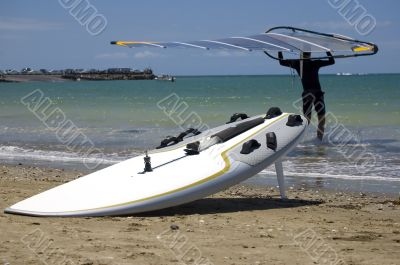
point(306, 55)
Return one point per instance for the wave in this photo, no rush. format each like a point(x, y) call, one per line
point(12, 153)
point(334, 176)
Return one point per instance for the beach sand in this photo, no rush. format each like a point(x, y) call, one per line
point(242, 225)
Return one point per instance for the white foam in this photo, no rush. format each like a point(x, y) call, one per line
point(335, 176)
point(8, 153)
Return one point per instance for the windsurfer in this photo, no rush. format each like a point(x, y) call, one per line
point(308, 69)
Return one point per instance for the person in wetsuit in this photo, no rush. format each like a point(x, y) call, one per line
point(308, 70)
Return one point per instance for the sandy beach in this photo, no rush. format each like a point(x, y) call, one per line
point(242, 225)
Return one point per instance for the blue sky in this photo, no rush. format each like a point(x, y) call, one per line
point(43, 34)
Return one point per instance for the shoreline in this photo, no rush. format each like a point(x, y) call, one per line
point(31, 78)
point(245, 224)
point(23, 78)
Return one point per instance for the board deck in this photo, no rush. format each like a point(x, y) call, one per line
point(176, 178)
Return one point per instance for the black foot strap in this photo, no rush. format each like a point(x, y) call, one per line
point(250, 146)
point(237, 116)
point(171, 140)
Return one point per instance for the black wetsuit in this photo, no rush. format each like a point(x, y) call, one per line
point(312, 92)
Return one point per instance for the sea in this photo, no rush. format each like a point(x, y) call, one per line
point(89, 125)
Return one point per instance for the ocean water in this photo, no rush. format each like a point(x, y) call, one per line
point(116, 120)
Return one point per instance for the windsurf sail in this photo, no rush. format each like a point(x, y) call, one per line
point(289, 40)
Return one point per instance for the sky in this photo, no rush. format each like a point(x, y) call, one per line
point(44, 34)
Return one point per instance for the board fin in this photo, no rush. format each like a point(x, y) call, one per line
point(281, 178)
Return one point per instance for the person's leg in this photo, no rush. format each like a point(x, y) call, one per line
point(319, 106)
point(308, 99)
point(321, 126)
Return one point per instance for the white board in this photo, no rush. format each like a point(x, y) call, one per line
point(176, 178)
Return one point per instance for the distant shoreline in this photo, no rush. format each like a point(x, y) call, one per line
point(21, 78)
point(32, 78)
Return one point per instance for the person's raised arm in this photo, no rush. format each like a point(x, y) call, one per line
point(330, 61)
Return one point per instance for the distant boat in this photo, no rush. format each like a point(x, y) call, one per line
point(165, 78)
point(345, 74)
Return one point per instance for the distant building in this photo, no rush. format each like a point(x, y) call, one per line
point(12, 72)
point(56, 72)
point(148, 71)
point(118, 70)
point(90, 71)
point(69, 71)
point(26, 70)
point(44, 71)
point(93, 71)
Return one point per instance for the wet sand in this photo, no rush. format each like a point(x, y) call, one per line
point(242, 225)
